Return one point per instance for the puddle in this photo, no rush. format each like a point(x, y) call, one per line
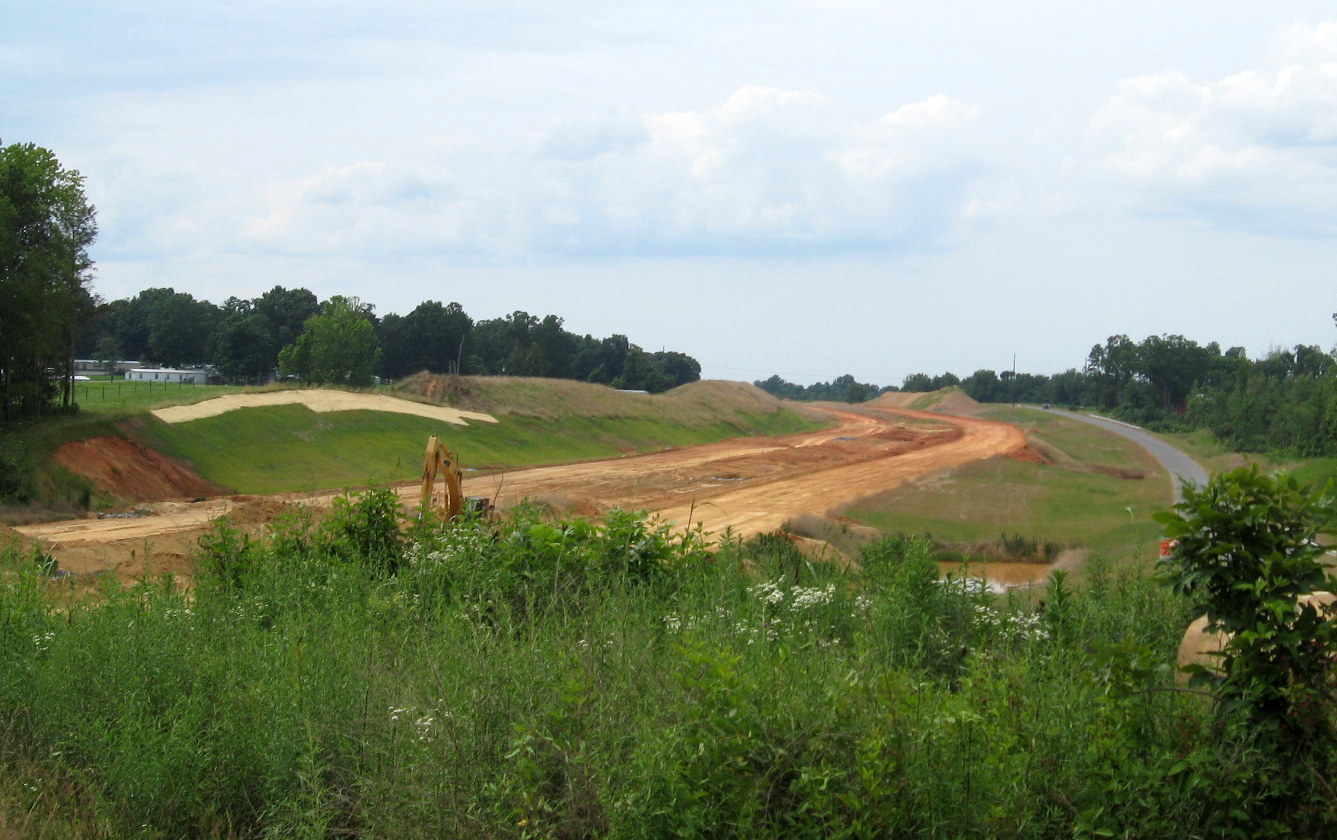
point(1004, 577)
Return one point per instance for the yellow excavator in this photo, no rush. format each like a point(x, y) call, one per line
point(438, 460)
point(441, 461)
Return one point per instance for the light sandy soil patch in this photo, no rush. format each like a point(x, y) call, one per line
point(321, 401)
point(750, 485)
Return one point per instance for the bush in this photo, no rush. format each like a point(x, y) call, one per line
point(16, 467)
point(1246, 550)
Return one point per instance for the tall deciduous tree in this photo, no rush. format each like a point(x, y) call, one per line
point(286, 311)
point(336, 347)
point(46, 228)
point(431, 337)
point(243, 346)
point(180, 328)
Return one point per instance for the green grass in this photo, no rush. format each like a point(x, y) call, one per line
point(1078, 500)
point(1216, 457)
point(120, 397)
point(554, 682)
point(291, 448)
point(1316, 471)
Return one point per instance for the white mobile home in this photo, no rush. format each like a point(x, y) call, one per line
point(195, 377)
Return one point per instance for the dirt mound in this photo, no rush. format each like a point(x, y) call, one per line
point(737, 396)
point(523, 396)
point(260, 511)
point(955, 401)
point(9, 538)
point(131, 472)
point(693, 404)
point(1030, 455)
point(948, 400)
point(1047, 454)
point(895, 399)
point(820, 551)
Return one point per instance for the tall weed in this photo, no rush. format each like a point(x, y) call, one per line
point(562, 678)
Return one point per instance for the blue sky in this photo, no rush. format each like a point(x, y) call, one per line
point(803, 188)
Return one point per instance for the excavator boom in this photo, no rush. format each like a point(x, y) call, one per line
point(438, 460)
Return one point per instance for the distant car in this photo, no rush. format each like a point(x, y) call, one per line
point(1045, 406)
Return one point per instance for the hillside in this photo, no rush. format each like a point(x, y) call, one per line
point(235, 444)
point(694, 404)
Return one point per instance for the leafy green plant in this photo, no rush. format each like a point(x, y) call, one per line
point(226, 557)
point(364, 529)
point(1246, 550)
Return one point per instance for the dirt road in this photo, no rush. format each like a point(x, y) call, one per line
point(749, 484)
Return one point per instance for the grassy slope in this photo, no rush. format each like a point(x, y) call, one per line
point(103, 407)
point(1214, 455)
point(1068, 501)
point(119, 397)
point(290, 448)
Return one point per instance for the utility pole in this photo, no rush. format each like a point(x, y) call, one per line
point(1014, 380)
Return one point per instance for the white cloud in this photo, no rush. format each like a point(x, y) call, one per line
point(367, 207)
point(1301, 43)
point(780, 169)
point(1257, 149)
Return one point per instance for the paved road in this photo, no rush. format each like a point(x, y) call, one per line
point(1181, 467)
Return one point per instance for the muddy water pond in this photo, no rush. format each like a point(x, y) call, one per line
point(1002, 577)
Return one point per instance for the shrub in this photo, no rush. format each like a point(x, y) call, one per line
point(16, 467)
point(1246, 550)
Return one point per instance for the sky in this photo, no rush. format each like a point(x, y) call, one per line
point(806, 188)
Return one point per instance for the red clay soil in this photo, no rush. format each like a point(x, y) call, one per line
point(131, 472)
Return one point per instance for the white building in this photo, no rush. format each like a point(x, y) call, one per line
point(195, 377)
point(100, 366)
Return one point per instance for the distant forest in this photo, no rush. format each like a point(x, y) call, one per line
point(245, 340)
point(1283, 402)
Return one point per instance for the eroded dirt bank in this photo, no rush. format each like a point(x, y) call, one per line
point(132, 472)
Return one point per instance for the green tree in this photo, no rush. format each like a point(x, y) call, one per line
point(180, 328)
point(336, 347)
point(1113, 365)
point(679, 367)
point(440, 334)
point(984, 385)
point(1172, 363)
point(46, 228)
point(242, 346)
point(639, 373)
point(918, 383)
point(286, 311)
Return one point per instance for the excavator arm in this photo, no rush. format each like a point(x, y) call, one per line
point(439, 460)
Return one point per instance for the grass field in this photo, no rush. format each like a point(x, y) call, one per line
point(1099, 492)
point(119, 396)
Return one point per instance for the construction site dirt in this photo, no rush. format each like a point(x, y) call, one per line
point(747, 485)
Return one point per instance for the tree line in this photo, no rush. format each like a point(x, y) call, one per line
point(342, 341)
point(1284, 401)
